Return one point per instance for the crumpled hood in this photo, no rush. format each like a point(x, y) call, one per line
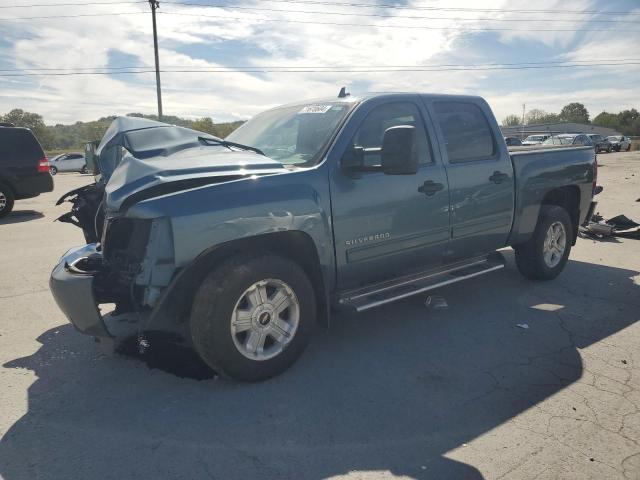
point(163, 158)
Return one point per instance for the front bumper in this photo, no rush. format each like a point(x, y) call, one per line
point(71, 284)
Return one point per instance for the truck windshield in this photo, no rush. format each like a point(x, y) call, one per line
point(293, 135)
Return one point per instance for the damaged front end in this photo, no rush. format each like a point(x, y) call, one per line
point(129, 261)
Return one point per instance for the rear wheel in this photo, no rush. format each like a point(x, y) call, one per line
point(6, 201)
point(544, 256)
point(628, 147)
point(84, 169)
point(252, 317)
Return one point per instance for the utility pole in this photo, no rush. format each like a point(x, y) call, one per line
point(154, 5)
point(523, 107)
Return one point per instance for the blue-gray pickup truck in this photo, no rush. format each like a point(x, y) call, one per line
point(241, 246)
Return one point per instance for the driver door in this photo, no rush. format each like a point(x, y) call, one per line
point(388, 225)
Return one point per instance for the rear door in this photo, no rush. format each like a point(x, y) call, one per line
point(74, 162)
point(20, 153)
point(480, 173)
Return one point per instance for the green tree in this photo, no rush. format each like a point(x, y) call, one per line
point(536, 116)
point(32, 121)
point(604, 119)
point(511, 121)
point(574, 112)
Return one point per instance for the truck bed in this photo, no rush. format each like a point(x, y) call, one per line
point(540, 170)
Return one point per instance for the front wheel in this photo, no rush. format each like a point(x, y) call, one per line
point(84, 169)
point(252, 317)
point(544, 256)
point(53, 170)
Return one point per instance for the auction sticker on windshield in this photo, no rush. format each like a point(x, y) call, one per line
point(315, 109)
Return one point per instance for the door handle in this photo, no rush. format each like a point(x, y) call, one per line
point(498, 177)
point(430, 188)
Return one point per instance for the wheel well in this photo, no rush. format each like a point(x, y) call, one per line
point(569, 199)
point(295, 245)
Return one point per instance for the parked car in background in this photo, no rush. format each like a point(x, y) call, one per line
point(620, 143)
point(535, 139)
point(24, 169)
point(68, 162)
point(578, 139)
point(241, 245)
point(600, 142)
point(512, 141)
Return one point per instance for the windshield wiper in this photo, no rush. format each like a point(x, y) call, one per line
point(229, 145)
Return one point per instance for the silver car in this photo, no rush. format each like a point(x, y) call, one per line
point(68, 162)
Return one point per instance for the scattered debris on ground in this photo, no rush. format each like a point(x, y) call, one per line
point(618, 226)
point(436, 302)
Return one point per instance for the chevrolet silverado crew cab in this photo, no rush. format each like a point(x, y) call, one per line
point(240, 246)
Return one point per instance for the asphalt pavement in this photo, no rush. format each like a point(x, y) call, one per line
point(465, 391)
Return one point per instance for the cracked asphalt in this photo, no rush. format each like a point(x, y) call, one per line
point(404, 391)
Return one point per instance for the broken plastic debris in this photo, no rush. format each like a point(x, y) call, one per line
point(524, 326)
point(436, 302)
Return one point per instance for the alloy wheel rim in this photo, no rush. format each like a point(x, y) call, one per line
point(555, 243)
point(265, 319)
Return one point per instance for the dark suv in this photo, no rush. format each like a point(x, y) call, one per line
point(602, 144)
point(24, 169)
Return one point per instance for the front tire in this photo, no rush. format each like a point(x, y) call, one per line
point(6, 201)
point(544, 256)
point(252, 317)
point(53, 170)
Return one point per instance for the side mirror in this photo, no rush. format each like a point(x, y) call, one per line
point(398, 153)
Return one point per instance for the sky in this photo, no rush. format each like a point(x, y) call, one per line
point(224, 59)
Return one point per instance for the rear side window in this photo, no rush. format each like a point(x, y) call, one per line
point(19, 145)
point(466, 131)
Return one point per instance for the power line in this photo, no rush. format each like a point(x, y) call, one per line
point(71, 4)
point(454, 9)
point(422, 27)
point(622, 61)
point(355, 5)
point(47, 17)
point(378, 15)
point(259, 9)
point(346, 70)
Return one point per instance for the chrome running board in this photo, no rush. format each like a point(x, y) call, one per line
point(376, 295)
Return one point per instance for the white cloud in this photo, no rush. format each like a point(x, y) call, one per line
point(75, 43)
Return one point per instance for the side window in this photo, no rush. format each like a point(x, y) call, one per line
point(466, 131)
point(371, 131)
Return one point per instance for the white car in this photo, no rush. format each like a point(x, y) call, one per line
point(620, 143)
point(535, 139)
point(68, 162)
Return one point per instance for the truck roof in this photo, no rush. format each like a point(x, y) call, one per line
point(370, 95)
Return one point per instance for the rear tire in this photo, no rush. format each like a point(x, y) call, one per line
point(544, 256)
point(84, 169)
point(6, 200)
point(226, 314)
